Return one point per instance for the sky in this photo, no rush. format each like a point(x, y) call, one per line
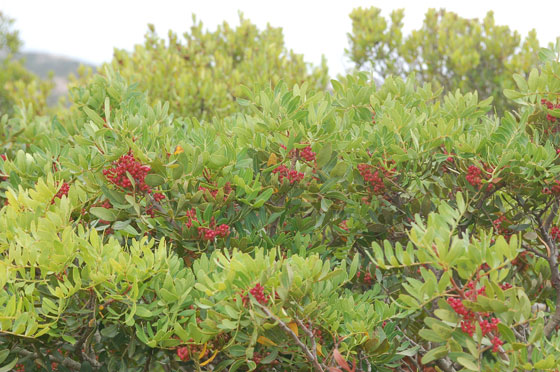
point(89, 30)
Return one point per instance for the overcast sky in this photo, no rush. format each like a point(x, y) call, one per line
point(89, 30)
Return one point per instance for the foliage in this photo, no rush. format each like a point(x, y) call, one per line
point(448, 50)
point(203, 75)
point(18, 86)
point(368, 228)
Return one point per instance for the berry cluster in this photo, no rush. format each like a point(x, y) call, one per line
point(375, 178)
point(554, 189)
point(555, 233)
point(488, 326)
point(214, 231)
point(258, 292)
point(373, 117)
point(183, 353)
point(63, 191)
point(368, 280)
point(472, 293)
point(227, 190)
point(343, 225)
point(450, 157)
point(207, 233)
point(212, 192)
point(307, 154)
point(551, 106)
point(292, 175)
point(127, 164)
point(158, 196)
point(500, 225)
point(19, 368)
point(505, 286)
point(191, 216)
point(474, 176)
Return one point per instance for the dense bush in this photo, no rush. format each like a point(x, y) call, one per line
point(364, 229)
point(449, 51)
point(203, 74)
point(18, 86)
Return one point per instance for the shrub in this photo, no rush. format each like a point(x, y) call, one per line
point(364, 229)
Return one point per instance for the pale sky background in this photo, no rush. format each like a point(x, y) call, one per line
point(89, 30)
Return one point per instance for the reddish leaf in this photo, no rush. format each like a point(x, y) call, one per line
point(340, 360)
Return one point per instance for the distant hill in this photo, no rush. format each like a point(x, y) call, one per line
point(42, 63)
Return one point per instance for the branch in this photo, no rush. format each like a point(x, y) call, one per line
point(553, 263)
point(308, 354)
point(149, 361)
point(66, 362)
point(309, 334)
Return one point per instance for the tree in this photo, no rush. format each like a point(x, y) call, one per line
point(18, 86)
point(205, 74)
point(448, 51)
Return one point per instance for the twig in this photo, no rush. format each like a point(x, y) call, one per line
point(66, 362)
point(149, 361)
point(309, 334)
point(308, 354)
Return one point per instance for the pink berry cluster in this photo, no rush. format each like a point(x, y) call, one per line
point(375, 177)
point(227, 190)
point(551, 106)
point(63, 191)
point(210, 233)
point(500, 225)
point(488, 326)
point(127, 163)
point(555, 233)
point(553, 189)
point(207, 233)
point(307, 154)
point(258, 293)
point(183, 353)
point(191, 217)
point(343, 225)
point(505, 286)
point(449, 160)
point(158, 196)
point(474, 176)
point(291, 174)
point(367, 279)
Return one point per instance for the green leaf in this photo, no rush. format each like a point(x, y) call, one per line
point(94, 116)
point(434, 354)
point(468, 363)
point(537, 333)
point(9, 366)
point(154, 180)
point(4, 354)
point(104, 213)
point(324, 155)
point(339, 170)
point(547, 363)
